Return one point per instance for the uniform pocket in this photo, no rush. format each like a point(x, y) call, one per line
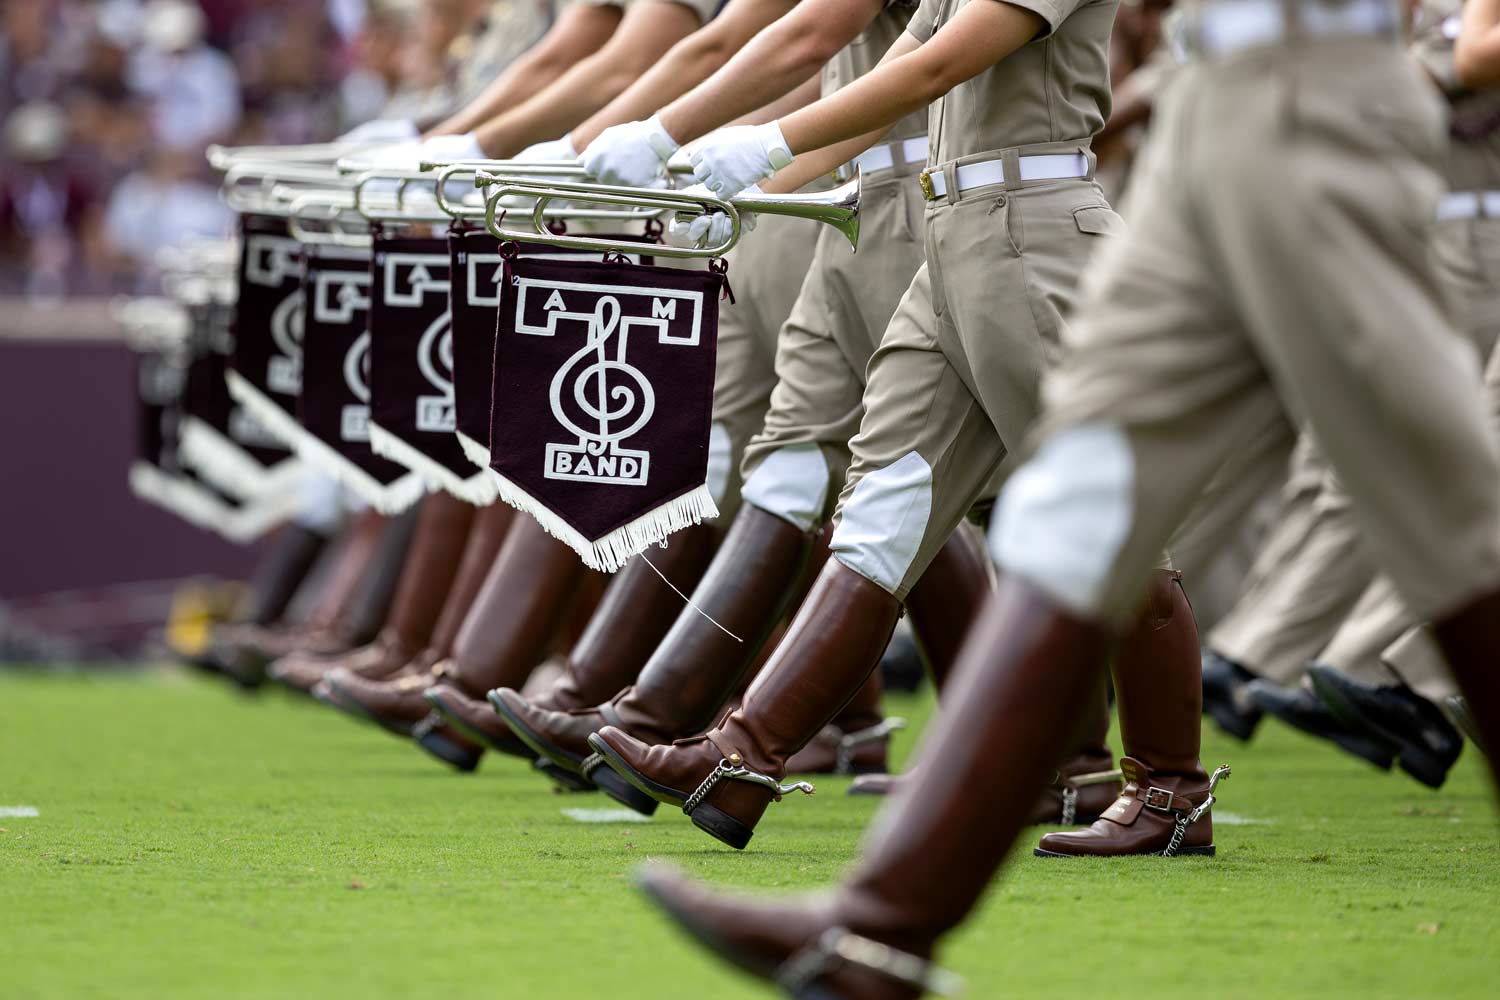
point(1099, 220)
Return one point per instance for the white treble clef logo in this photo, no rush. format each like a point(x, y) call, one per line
point(284, 370)
point(612, 395)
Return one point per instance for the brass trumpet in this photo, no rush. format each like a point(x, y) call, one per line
point(838, 208)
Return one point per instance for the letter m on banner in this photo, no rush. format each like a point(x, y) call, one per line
point(603, 397)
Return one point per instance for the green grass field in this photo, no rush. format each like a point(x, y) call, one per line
point(193, 842)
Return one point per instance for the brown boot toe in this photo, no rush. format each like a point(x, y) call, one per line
point(396, 704)
point(476, 719)
point(789, 943)
point(561, 737)
point(876, 784)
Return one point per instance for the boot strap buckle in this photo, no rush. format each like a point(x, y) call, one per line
point(1159, 799)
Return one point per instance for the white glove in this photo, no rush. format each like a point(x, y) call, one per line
point(411, 155)
point(382, 130)
point(552, 149)
point(732, 159)
point(634, 154)
point(451, 147)
point(712, 228)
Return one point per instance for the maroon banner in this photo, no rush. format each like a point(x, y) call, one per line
point(601, 401)
point(334, 408)
point(265, 368)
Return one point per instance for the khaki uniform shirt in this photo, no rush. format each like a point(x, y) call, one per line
point(1053, 89)
point(861, 55)
point(1474, 153)
point(705, 9)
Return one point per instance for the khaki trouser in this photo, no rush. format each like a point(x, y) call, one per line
point(1218, 314)
point(955, 382)
point(1217, 548)
point(1275, 632)
point(794, 465)
point(766, 269)
point(1382, 637)
point(1315, 567)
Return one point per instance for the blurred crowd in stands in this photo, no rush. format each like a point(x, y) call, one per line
point(106, 107)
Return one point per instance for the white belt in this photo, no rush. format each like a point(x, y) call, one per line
point(1047, 167)
point(1469, 205)
point(883, 157)
point(1223, 27)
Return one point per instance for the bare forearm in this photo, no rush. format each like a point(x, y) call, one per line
point(913, 75)
point(690, 62)
point(821, 162)
point(578, 34)
point(1477, 51)
point(648, 30)
point(774, 63)
point(810, 90)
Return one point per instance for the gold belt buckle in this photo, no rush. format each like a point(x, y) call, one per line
point(925, 180)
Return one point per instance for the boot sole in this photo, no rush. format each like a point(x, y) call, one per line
point(565, 781)
point(1414, 760)
point(1182, 852)
point(617, 788)
point(445, 750)
point(544, 750)
point(516, 749)
point(711, 820)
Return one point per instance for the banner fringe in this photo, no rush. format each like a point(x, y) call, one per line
point(389, 499)
point(223, 463)
point(278, 422)
point(612, 551)
point(383, 442)
point(201, 508)
point(481, 487)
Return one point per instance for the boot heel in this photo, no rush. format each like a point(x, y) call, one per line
point(565, 780)
point(722, 826)
point(622, 791)
point(440, 746)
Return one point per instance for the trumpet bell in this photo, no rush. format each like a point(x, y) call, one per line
point(837, 207)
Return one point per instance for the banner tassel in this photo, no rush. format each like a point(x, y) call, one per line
point(688, 600)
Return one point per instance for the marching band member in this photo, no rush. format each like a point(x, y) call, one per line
point(1206, 320)
point(1013, 216)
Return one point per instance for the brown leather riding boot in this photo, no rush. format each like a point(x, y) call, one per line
point(855, 741)
point(695, 668)
point(288, 560)
point(322, 604)
point(942, 606)
point(637, 610)
point(504, 635)
point(485, 535)
point(427, 575)
point(934, 848)
point(1159, 688)
point(1087, 781)
point(1470, 641)
point(726, 778)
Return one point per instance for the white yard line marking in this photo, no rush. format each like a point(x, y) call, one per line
point(19, 812)
point(605, 816)
point(1235, 819)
